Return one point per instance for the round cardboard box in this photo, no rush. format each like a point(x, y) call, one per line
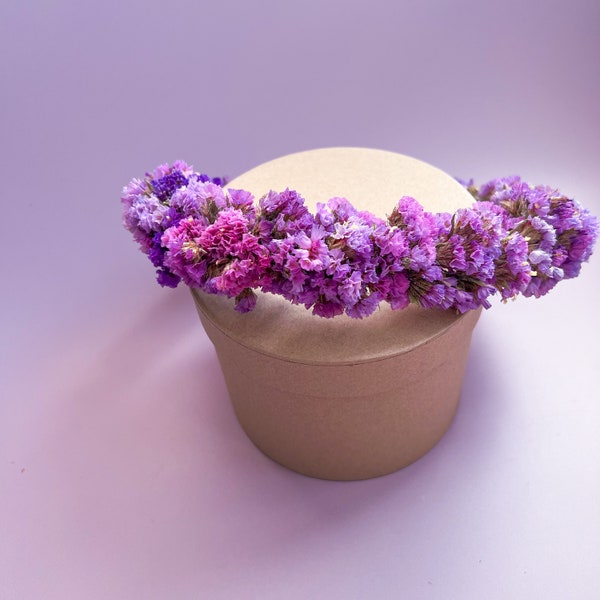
point(343, 398)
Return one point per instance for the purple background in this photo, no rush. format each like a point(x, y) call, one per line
point(123, 473)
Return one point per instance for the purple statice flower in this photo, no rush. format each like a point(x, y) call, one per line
point(245, 301)
point(371, 273)
point(577, 231)
point(353, 236)
point(165, 186)
point(159, 172)
point(242, 200)
point(482, 293)
point(296, 277)
point(341, 208)
point(211, 200)
point(204, 178)
point(145, 215)
point(132, 198)
point(450, 252)
point(410, 216)
point(189, 200)
point(459, 298)
point(513, 269)
point(274, 272)
point(166, 169)
point(324, 217)
point(133, 191)
point(543, 263)
point(541, 240)
point(309, 295)
point(465, 297)
point(184, 254)
point(390, 253)
point(538, 200)
point(312, 252)
point(285, 213)
point(565, 215)
point(325, 287)
point(517, 197)
point(350, 289)
point(582, 243)
point(132, 194)
point(211, 192)
point(165, 179)
point(467, 249)
point(274, 203)
point(369, 219)
point(540, 234)
point(502, 189)
point(167, 279)
point(292, 282)
point(142, 208)
point(207, 200)
point(393, 244)
point(420, 229)
point(219, 181)
point(150, 214)
point(539, 286)
point(421, 289)
point(143, 239)
point(156, 252)
point(327, 309)
point(366, 306)
point(466, 183)
point(336, 210)
point(397, 292)
point(338, 266)
point(238, 276)
point(432, 295)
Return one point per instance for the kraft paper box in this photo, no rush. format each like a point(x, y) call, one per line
point(343, 398)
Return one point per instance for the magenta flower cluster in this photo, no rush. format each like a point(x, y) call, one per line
point(515, 239)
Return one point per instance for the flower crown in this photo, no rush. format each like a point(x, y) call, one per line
point(515, 239)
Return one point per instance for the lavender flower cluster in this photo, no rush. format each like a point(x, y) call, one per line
point(515, 239)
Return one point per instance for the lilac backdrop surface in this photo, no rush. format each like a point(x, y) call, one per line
point(123, 473)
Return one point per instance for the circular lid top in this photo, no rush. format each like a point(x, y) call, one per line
point(372, 180)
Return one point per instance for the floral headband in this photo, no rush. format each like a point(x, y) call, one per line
point(515, 239)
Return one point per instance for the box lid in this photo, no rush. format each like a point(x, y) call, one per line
point(372, 180)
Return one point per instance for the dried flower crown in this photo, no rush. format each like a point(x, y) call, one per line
point(515, 239)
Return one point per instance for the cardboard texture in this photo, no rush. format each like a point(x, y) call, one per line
point(343, 398)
